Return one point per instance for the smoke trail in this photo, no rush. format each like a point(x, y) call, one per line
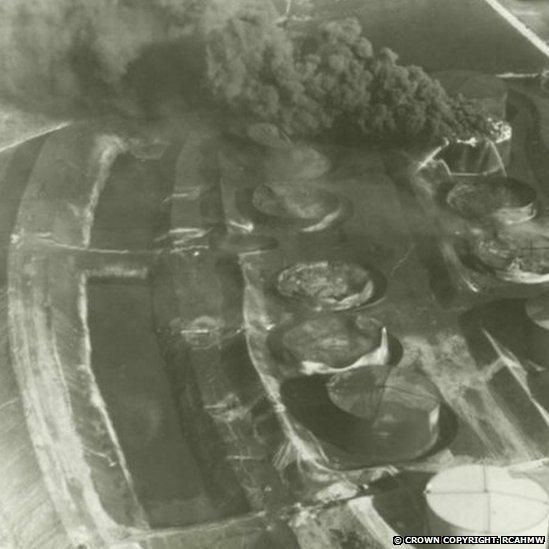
point(59, 55)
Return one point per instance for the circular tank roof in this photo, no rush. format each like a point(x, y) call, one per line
point(486, 500)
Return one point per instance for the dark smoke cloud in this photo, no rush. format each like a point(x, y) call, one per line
point(76, 55)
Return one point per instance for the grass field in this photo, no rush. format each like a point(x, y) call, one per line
point(441, 34)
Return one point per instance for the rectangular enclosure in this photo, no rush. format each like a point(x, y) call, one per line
point(131, 374)
point(129, 211)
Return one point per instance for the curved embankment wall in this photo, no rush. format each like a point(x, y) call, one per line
point(81, 461)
